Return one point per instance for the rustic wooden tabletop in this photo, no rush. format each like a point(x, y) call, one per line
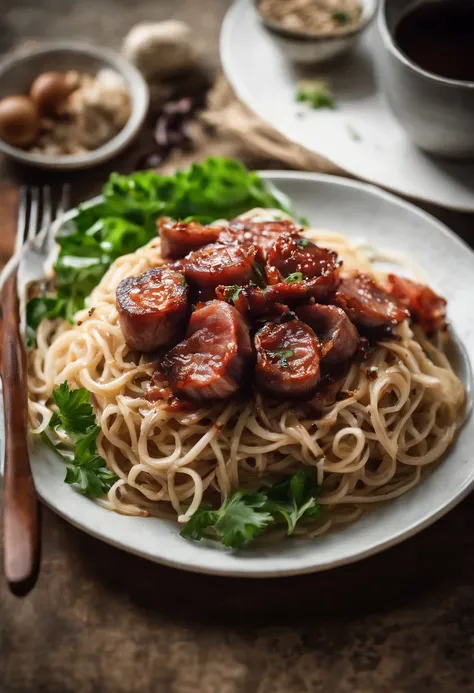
point(101, 620)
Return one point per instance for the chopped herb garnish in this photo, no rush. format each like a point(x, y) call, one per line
point(316, 94)
point(353, 134)
point(283, 355)
point(232, 293)
point(259, 275)
point(295, 277)
point(245, 515)
point(286, 353)
point(341, 17)
point(302, 242)
point(86, 470)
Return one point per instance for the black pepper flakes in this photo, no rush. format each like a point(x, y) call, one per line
point(344, 394)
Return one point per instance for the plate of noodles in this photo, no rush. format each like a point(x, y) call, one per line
point(277, 382)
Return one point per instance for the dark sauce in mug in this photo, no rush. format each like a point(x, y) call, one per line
point(439, 37)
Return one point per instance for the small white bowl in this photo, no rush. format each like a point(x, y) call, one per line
point(18, 72)
point(318, 48)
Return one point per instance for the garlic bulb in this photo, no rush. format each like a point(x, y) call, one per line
point(160, 48)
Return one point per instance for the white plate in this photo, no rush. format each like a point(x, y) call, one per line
point(363, 213)
point(266, 81)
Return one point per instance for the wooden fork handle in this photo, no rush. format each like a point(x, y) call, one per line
point(21, 520)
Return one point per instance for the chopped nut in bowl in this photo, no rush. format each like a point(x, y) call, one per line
point(313, 31)
point(73, 118)
point(313, 16)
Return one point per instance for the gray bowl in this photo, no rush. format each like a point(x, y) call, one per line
point(317, 48)
point(437, 113)
point(18, 72)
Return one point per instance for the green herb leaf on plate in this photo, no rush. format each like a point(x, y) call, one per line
point(238, 521)
point(295, 277)
point(315, 94)
point(294, 498)
point(245, 515)
point(86, 470)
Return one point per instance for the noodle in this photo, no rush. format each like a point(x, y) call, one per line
point(370, 447)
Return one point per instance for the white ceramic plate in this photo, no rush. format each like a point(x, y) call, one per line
point(363, 213)
point(266, 81)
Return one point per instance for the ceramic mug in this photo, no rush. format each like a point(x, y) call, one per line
point(437, 113)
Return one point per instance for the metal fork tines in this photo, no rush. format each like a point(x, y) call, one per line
point(35, 233)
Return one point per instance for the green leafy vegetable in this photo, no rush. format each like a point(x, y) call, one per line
point(245, 515)
point(302, 242)
point(316, 94)
point(86, 470)
point(295, 277)
point(341, 17)
point(125, 219)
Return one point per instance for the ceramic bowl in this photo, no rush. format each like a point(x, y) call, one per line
point(304, 48)
point(19, 70)
point(436, 113)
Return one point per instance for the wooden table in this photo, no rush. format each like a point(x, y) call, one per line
point(101, 620)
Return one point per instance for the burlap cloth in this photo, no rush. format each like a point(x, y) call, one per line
point(228, 128)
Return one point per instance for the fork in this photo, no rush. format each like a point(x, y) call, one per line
point(21, 519)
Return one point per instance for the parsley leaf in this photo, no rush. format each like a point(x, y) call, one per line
point(294, 498)
point(302, 242)
point(232, 293)
point(239, 520)
point(86, 470)
point(202, 519)
point(316, 94)
point(295, 277)
point(245, 515)
point(242, 519)
point(341, 17)
point(75, 413)
point(259, 275)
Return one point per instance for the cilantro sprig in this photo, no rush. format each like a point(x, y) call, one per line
point(85, 469)
point(245, 515)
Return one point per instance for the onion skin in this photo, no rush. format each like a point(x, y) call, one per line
point(19, 121)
